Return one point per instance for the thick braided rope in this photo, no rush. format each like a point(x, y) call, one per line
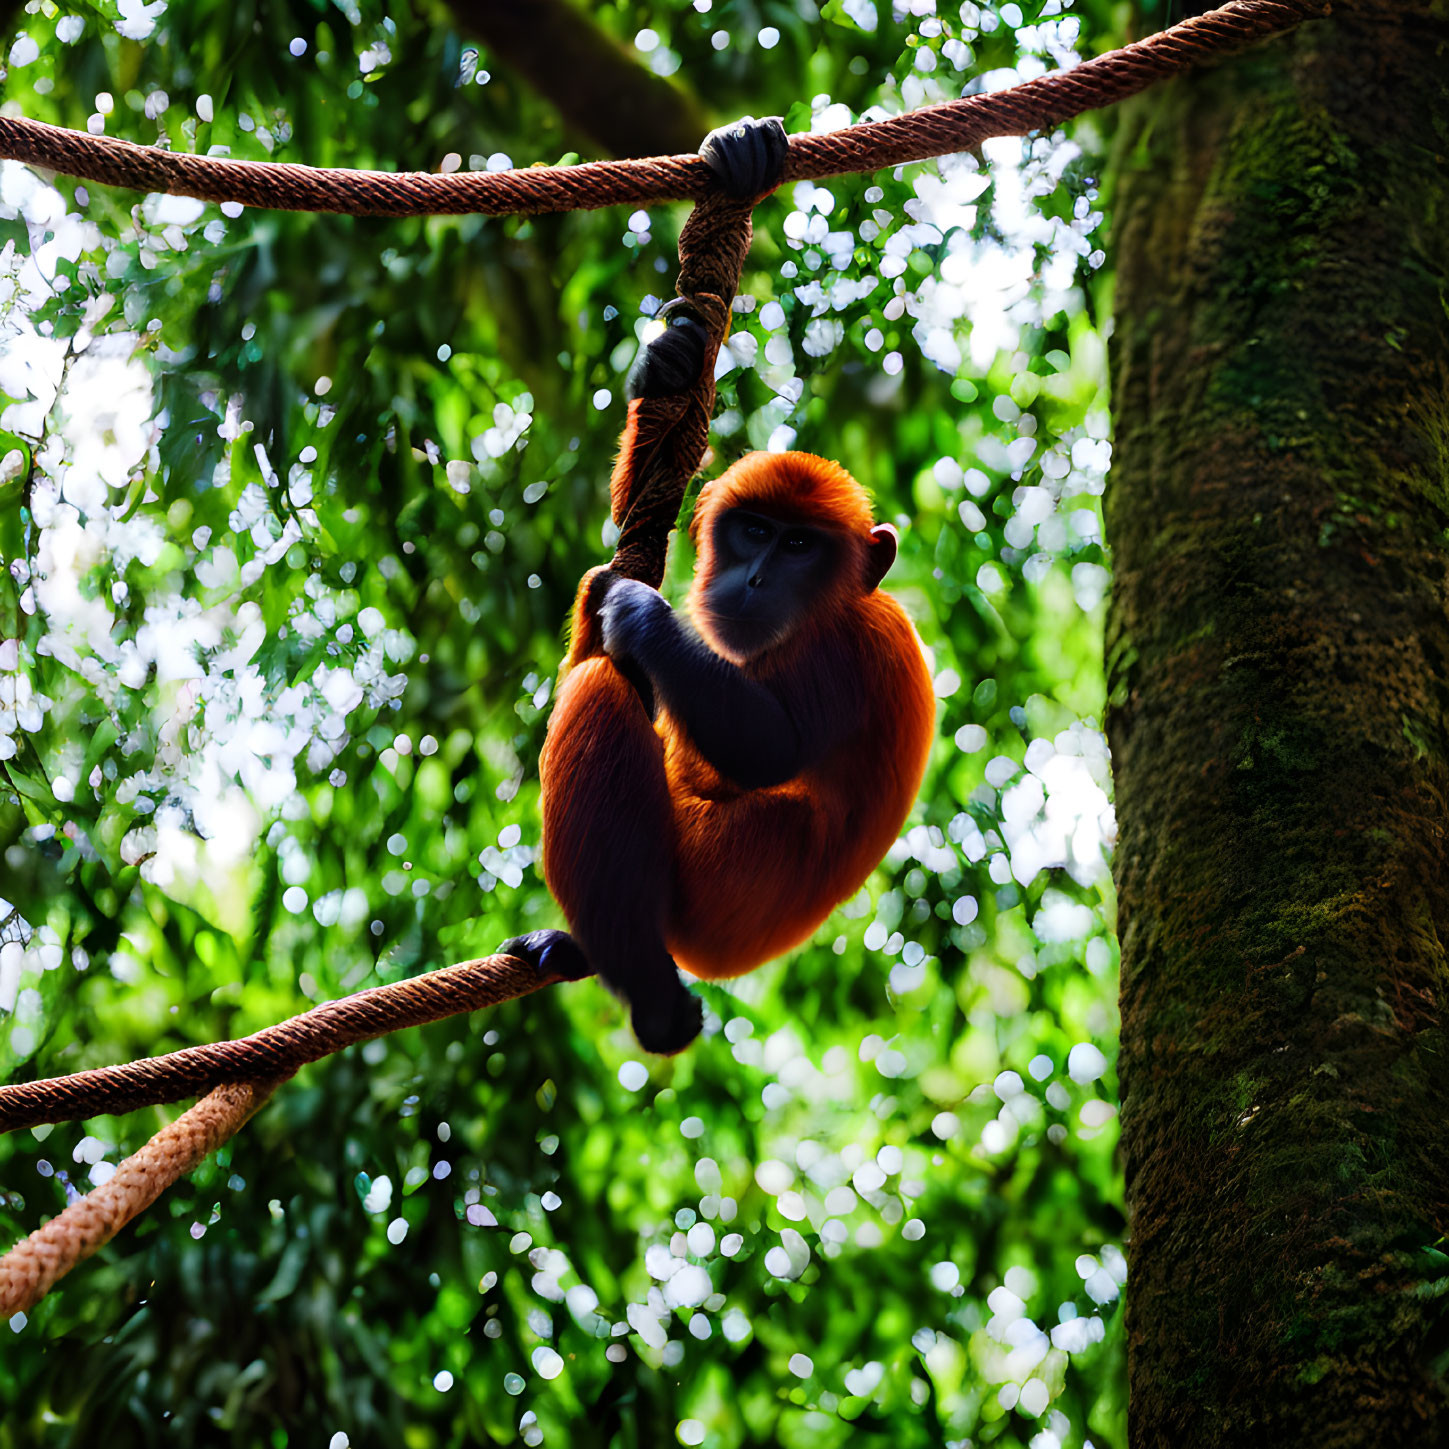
point(1037, 104)
point(1047, 101)
point(665, 449)
point(275, 1052)
point(247, 1071)
point(32, 1266)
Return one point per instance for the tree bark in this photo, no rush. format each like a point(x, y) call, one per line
point(1279, 680)
point(598, 88)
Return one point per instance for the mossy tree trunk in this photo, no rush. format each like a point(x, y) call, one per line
point(1279, 673)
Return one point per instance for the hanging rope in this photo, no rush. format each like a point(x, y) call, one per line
point(661, 455)
point(663, 452)
point(33, 1265)
point(1034, 105)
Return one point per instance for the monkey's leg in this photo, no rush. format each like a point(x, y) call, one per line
point(608, 847)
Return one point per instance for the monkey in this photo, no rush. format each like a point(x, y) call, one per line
point(710, 795)
point(790, 733)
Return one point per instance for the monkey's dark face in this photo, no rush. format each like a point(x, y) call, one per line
point(767, 574)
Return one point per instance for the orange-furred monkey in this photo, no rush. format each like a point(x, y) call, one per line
point(711, 795)
point(791, 734)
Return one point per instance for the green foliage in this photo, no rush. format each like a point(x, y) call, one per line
point(293, 512)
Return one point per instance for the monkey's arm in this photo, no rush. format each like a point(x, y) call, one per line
point(739, 726)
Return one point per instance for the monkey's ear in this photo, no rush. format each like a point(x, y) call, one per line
point(883, 544)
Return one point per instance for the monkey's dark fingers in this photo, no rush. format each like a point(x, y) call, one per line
point(747, 156)
point(668, 1023)
point(627, 611)
point(550, 953)
point(671, 362)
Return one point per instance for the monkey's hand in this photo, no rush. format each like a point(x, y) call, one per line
point(747, 156)
point(671, 362)
point(632, 616)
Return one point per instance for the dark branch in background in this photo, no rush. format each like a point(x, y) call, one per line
point(596, 86)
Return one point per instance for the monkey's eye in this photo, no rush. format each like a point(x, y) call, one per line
point(756, 532)
point(797, 541)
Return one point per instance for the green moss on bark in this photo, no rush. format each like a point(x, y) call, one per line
point(1278, 658)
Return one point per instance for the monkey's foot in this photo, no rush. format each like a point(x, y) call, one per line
point(667, 1025)
point(550, 953)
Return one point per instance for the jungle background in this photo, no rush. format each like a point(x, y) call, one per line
point(292, 511)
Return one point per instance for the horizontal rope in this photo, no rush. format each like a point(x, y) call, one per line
point(1033, 105)
point(274, 1052)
